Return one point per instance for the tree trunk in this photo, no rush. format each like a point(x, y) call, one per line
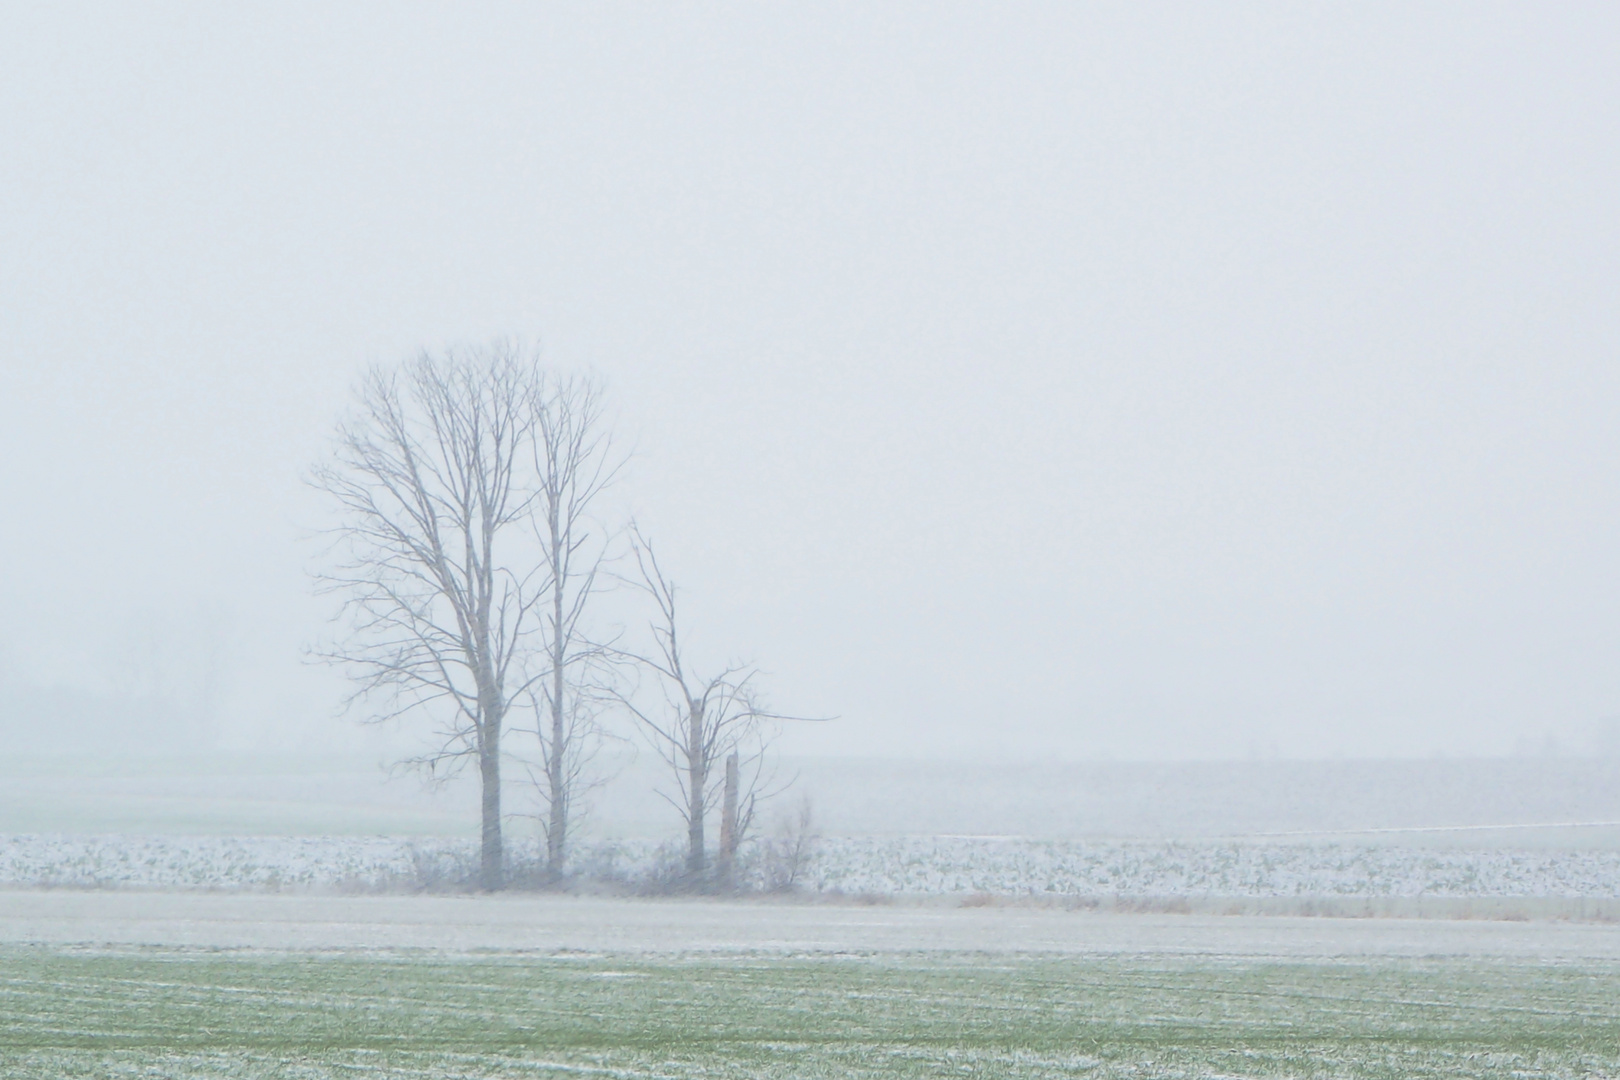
point(557, 826)
point(697, 785)
point(727, 859)
point(697, 859)
point(557, 774)
point(491, 871)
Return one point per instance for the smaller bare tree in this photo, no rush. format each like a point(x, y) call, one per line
point(574, 462)
point(701, 721)
point(789, 855)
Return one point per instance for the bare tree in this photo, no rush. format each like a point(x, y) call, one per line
point(700, 722)
point(433, 556)
point(789, 854)
point(574, 461)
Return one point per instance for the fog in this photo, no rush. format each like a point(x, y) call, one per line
point(1013, 382)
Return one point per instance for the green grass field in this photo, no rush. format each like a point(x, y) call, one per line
point(177, 1013)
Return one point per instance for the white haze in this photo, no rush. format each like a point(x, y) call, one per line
point(1020, 381)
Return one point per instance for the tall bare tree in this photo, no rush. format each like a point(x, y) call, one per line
point(700, 722)
point(434, 557)
point(574, 461)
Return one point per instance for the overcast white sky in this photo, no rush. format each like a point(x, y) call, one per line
point(1130, 380)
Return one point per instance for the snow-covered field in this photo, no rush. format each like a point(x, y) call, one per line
point(1194, 869)
point(807, 992)
point(856, 866)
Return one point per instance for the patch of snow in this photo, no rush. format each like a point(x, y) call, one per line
point(920, 866)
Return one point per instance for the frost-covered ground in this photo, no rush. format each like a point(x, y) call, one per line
point(861, 866)
point(208, 1014)
point(1192, 869)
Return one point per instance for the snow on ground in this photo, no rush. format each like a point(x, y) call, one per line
point(1033, 868)
point(907, 866)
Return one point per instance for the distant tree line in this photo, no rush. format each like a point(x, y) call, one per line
point(468, 555)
